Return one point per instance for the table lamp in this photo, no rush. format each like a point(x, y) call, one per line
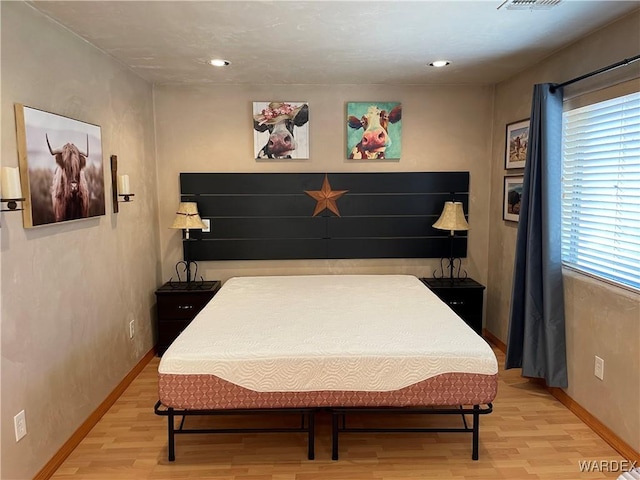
point(451, 219)
point(187, 218)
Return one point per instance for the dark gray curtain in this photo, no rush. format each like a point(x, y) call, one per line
point(536, 340)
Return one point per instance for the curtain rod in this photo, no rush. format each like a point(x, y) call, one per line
point(621, 63)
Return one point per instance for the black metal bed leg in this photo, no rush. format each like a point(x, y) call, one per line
point(476, 431)
point(334, 436)
point(312, 436)
point(464, 419)
point(172, 435)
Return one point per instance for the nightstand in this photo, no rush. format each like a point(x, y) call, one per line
point(177, 306)
point(465, 297)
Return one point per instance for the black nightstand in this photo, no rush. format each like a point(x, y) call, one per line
point(177, 306)
point(464, 296)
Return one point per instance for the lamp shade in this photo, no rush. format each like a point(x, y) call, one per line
point(452, 218)
point(187, 217)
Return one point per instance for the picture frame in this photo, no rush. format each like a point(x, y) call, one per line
point(512, 196)
point(281, 130)
point(383, 143)
point(517, 141)
point(61, 167)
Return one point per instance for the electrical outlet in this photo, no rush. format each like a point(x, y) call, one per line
point(207, 223)
point(20, 425)
point(132, 328)
point(599, 368)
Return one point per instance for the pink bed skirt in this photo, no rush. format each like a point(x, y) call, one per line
point(208, 392)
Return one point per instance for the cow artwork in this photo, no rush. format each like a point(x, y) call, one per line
point(61, 167)
point(70, 191)
point(381, 130)
point(281, 129)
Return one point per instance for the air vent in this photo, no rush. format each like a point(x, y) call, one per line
point(529, 4)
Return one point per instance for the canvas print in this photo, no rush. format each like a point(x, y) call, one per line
point(512, 197)
point(281, 130)
point(61, 167)
point(374, 130)
point(517, 142)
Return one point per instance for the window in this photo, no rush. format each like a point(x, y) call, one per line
point(601, 189)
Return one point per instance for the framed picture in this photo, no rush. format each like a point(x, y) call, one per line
point(374, 130)
point(516, 147)
point(281, 130)
point(61, 167)
point(512, 196)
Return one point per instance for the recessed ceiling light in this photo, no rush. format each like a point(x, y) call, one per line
point(218, 62)
point(439, 63)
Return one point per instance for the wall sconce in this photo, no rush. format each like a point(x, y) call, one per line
point(119, 185)
point(11, 192)
point(123, 188)
point(452, 219)
point(188, 218)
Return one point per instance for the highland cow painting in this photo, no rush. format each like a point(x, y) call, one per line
point(61, 167)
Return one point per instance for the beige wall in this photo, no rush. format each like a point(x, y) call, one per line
point(69, 290)
point(601, 320)
point(209, 129)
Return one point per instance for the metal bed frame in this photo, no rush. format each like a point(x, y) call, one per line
point(338, 423)
point(338, 414)
point(307, 424)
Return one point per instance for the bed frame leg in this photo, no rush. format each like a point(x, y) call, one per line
point(312, 435)
point(334, 436)
point(171, 436)
point(476, 431)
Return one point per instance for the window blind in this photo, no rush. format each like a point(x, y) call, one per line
point(601, 189)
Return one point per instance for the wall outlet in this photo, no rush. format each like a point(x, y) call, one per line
point(207, 223)
point(20, 425)
point(599, 368)
point(132, 328)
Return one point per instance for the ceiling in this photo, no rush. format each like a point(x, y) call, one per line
point(329, 42)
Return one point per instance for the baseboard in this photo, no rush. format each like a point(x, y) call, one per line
point(52, 465)
point(619, 445)
point(495, 340)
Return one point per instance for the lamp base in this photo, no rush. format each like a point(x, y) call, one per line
point(453, 266)
point(184, 276)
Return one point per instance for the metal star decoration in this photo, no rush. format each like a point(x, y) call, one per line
point(326, 197)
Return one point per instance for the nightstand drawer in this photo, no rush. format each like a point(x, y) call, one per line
point(463, 302)
point(181, 306)
point(178, 304)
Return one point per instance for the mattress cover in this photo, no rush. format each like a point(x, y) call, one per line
point(208, 392)
point(370, 333)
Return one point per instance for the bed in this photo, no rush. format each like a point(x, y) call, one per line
point(347, 343)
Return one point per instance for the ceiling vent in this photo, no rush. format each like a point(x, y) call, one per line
point(529, 4)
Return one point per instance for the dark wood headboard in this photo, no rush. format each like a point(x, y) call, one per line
point(260, 216)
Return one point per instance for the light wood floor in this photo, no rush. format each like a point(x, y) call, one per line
point(530, 435)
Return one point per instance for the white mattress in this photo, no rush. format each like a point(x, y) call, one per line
point(327, 332)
